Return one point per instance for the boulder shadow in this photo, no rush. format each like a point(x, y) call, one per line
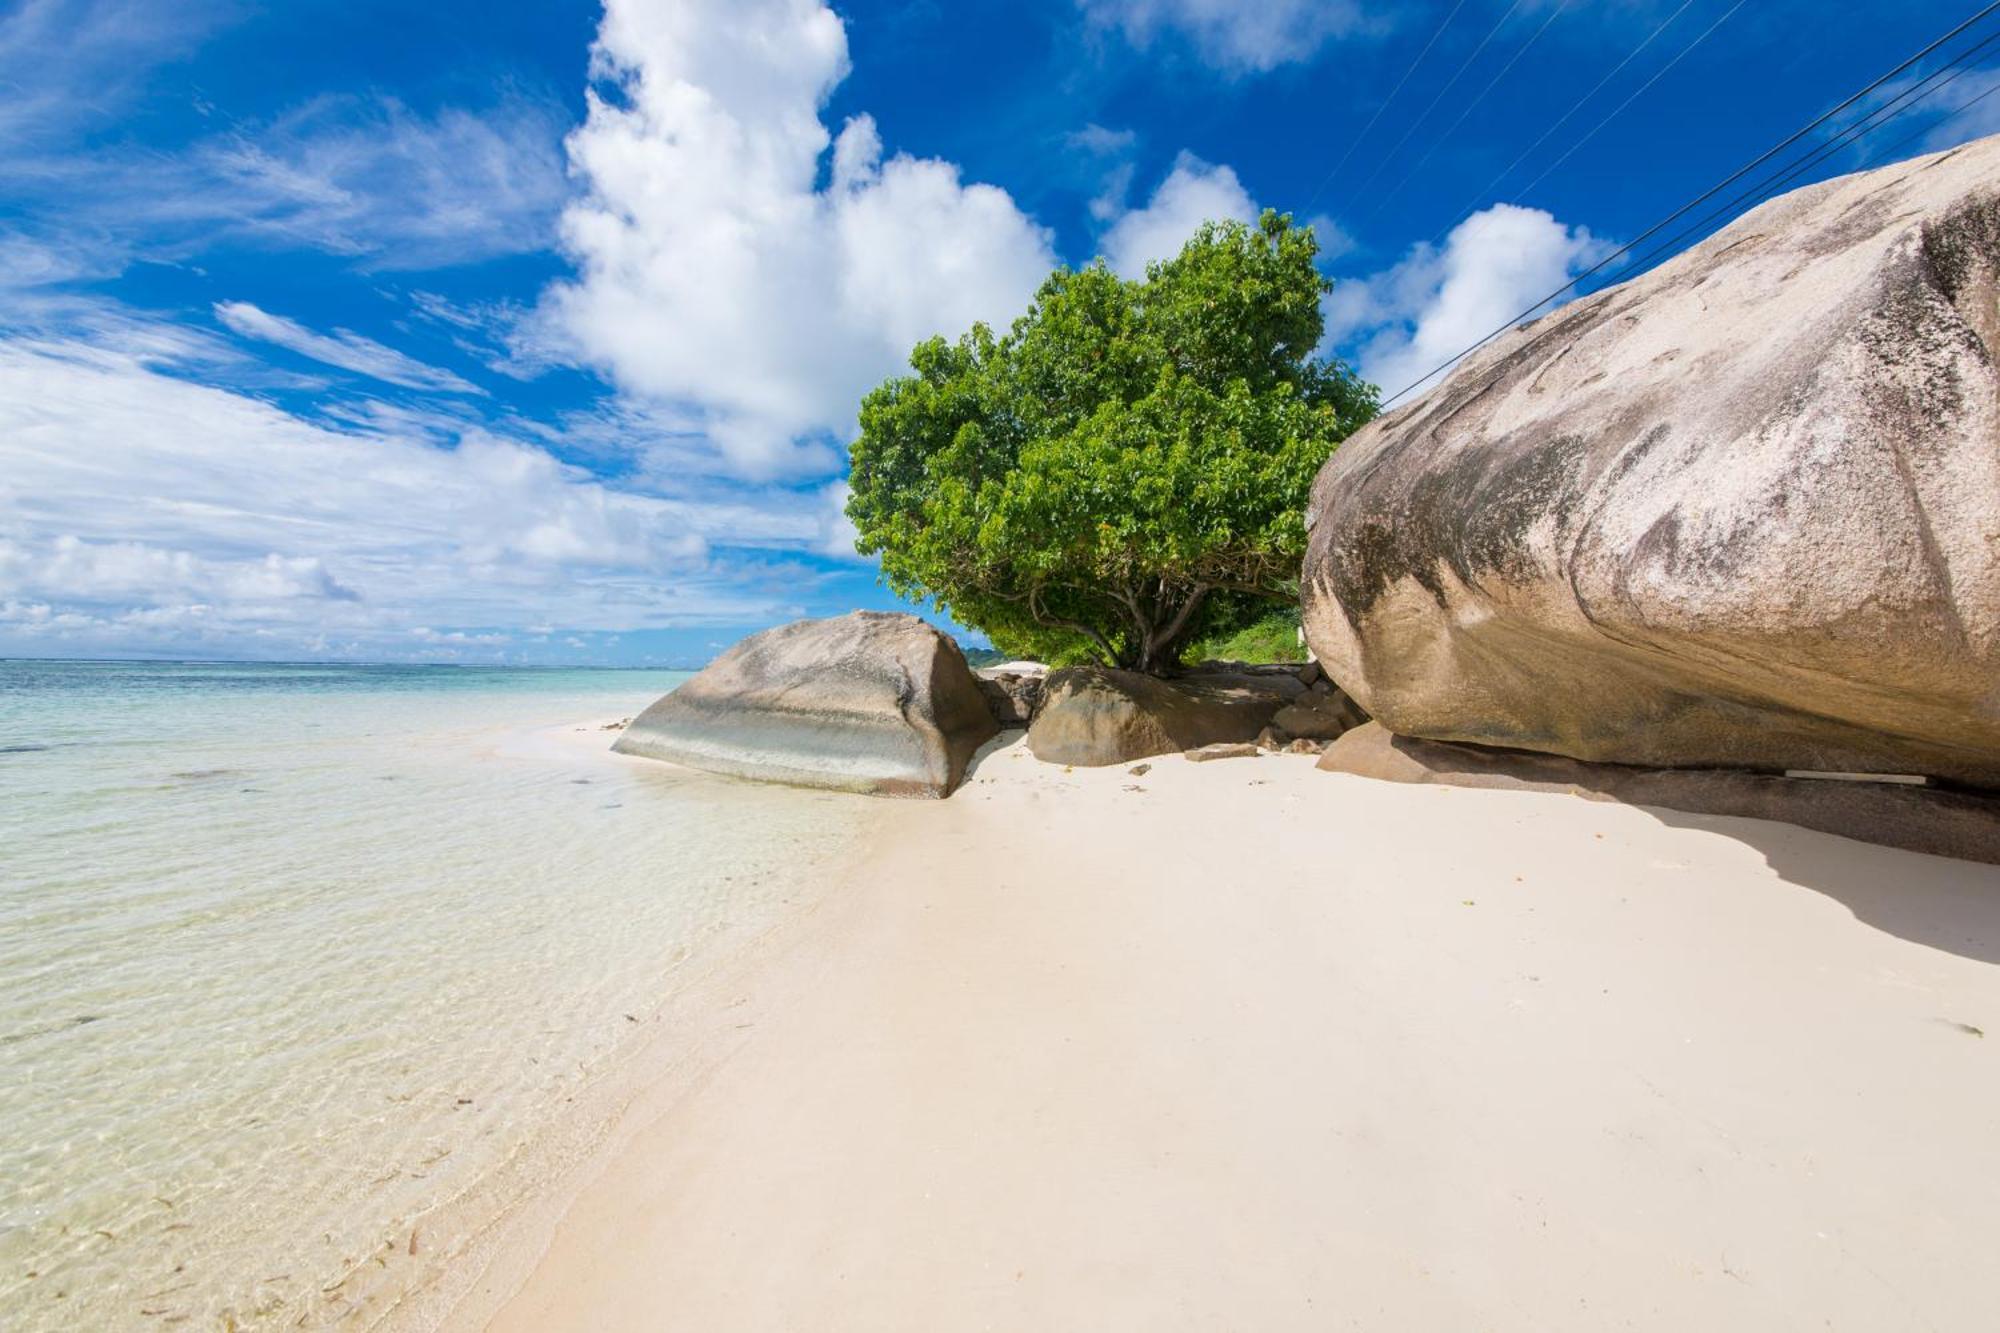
point(1937, 901)
point(1922, 864)
point(1006, 737)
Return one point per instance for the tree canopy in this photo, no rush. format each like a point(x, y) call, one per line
point(1126, 470)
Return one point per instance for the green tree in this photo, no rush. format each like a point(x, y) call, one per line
point(1126, 471)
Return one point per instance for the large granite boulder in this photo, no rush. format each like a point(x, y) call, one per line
point(1093, 716)
point(1742, 511)
point(867, 702)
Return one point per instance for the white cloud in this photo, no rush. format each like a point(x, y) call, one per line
point(368, 177)
point(1113, 149)
point(1235, 36)
point(1194, 192)
point(361, 177)
point(1436, 302)
point(717, 276)
point(141, 511)
point(1967, 109)
point(837, 531)
point(71, 64)
point(349, 351)
point(27, 263)
point(1095, 138)
point(1334, 240)
point(69, 567)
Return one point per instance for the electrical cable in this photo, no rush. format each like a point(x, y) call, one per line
point(1701, 198)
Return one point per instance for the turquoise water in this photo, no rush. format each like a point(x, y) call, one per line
point(298, 962)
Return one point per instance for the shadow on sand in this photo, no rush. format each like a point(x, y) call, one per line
point(1937, 901)
point(1919, 863)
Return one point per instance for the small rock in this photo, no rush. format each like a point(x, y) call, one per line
point(1223, 750)
point(1012, 695)
point(1324, 714)
point(1274, 738)
point(1304, 746)
point(1312, 673)
point(1140, 770)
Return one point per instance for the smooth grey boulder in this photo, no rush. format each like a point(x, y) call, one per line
point(1094, 716)
point(867, 702)
point(1742, 511)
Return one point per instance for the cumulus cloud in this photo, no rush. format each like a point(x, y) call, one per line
point(1194, 192)
point(1437, 301)
point(1235, 36)
point(142, 511)
point(349, 351)
point(69, 567)
point(718, 274)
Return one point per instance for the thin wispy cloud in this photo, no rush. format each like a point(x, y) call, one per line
point(1237, 37)
point(349, 351)
point(395, 189)
point(67, 66)
point(358, 174)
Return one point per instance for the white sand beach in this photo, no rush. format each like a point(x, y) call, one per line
point(1249, 1045)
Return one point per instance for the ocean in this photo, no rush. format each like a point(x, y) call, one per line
point(301, 966)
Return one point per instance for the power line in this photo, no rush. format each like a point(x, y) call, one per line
point(1698, 200)
point(1560, 121)
point(1334, 170)
point(1658, 74)
point(1941, 122)
point(1900, 104)
point(1449, 84)
point(1491, 84)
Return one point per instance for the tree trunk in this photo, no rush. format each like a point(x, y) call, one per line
point(1161, 644)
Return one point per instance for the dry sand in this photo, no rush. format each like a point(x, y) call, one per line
point(1245, 1045)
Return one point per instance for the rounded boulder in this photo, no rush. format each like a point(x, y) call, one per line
point(871, 702)
point(1742, 511)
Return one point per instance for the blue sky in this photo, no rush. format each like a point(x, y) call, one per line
point(534, 331)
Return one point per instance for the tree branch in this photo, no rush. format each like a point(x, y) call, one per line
point(1108, 656)
point(1163, 637)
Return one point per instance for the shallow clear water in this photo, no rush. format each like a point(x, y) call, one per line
point(295, 960)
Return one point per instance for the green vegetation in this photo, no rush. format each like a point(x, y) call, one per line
point(1125, 472)
point(1274, 638)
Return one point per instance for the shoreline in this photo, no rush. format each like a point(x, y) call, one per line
point(692, 1028)
point(1250, 1044)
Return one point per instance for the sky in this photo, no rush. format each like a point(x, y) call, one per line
point(532, 331)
